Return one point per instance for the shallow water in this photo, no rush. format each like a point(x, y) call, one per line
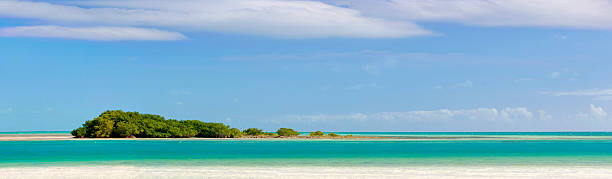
point(439, 152)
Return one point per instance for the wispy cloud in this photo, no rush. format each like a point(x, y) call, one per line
point(585, 14)
point(464, 84)
point(597, 94)
point(442, 114)
point(564, 74)
point(91, 33)
point(598, 112)
point(292, 19)
point(443, 119)
point(310, 19)
point(477, 119)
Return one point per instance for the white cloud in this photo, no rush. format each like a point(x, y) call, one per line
point(294, 19)
point(442, 114)
point(477, 119)
point(514, 113)
point(465, 84)
point(308, 19)
point(592, 92)
point(90, 33)
point(587, 14)
point(564, 74)
point(598, 94)
point(598, 112)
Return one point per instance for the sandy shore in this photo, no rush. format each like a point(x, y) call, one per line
point(310, 172)
point(34, 137)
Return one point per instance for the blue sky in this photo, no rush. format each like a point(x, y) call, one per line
point(358, 65)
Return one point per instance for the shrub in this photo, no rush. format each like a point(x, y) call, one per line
point(235, 133)
point(333, 134)
point(270, 134)
point(79, 132)
point(287, 132)
point(317, 134)
point(253, 131)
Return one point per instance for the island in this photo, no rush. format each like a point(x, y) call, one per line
point(120, 124)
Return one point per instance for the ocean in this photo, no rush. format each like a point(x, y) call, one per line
point(405, 149)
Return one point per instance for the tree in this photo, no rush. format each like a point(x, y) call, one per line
point(270, 134)
point(103, 127)
point(79, 132)
point(253, 132)
point(126, 129)
point(333, 134)
point(317, 134)
point(235, 133)
point(287, 132)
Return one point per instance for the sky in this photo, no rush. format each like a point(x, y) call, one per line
point(331, 65)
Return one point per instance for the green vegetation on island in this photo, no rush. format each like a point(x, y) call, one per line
point(117, 123)
point(317, 134)
point(253, 132)
point(333, 134)
point(120, 124)
point(321, 134)
point(287, 132)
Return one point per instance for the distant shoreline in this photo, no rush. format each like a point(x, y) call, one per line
point(61, 136)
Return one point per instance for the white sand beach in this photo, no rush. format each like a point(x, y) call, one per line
point(455, 172)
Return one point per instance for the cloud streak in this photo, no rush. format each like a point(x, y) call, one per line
point(478, 119)
point(311, 19)
point(597, 94)
point(91, 33)
point(442, 114)
point(291, 19)
point(584, 14)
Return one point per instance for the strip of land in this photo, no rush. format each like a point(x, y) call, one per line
point(56, 136)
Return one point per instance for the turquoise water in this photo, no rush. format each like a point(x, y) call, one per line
point(186, 152)
point(399, 134)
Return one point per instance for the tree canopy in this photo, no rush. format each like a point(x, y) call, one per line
point(117, 123)
point(253, 132)
point(287, 132)
point(317, 134)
